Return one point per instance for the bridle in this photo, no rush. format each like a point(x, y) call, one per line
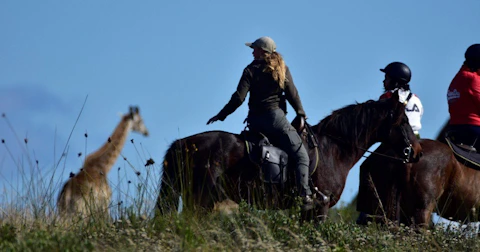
point(407, 151)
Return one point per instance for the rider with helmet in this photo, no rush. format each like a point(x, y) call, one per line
point(267, 78)
point(464, 99)
point(397, 77)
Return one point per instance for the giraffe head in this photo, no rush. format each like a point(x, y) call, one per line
point(137, 121)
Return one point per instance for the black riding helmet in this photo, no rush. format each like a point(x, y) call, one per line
point(473, 53)
point(472, 57)
point(398, 72)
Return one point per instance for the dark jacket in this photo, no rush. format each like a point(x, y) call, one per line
point(265, 93)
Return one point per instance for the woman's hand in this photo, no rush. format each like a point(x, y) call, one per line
point(213, 119)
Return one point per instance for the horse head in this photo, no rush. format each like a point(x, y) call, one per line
point(397, 132)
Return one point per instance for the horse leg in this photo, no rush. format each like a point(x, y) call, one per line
point(244, 191)
point(216, 186)
point(321, 212)
point(275, 196)
point(211, 192)
point(423, 216)
point(168, 200)
point(370, 200)
point(364, 194)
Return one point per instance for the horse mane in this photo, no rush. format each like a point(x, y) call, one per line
point(354, 125)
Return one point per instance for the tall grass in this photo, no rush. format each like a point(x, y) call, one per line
point(28, 220)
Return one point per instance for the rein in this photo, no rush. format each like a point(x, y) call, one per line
point(312, 142)
point(366, 150)
point(383, 155)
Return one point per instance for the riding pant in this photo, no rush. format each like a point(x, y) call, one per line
point(275, 126)
point(467, 134)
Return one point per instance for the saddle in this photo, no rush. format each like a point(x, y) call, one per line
point(464, 153)
point(272, 160)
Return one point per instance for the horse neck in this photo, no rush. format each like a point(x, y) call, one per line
point(104, 158)
point(357, 145)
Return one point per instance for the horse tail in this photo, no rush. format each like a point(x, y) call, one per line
point(168, 198)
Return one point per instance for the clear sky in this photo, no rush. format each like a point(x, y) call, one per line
point(180, 61)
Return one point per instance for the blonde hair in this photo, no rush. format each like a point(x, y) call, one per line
point(276, 66)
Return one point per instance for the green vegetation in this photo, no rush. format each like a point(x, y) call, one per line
point(247, 230)
point(28, 222)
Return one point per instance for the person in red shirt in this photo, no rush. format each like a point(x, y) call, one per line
point(464, 100)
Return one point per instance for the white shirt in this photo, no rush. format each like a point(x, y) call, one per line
point(413, 108)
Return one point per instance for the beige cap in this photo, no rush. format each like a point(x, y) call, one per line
point(266, 43)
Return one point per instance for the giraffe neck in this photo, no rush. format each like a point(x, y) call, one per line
point(104, 158)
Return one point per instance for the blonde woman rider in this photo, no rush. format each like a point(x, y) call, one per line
point(267, 78)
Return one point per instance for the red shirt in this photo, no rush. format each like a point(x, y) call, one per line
point(464, 98)
point(386, 95)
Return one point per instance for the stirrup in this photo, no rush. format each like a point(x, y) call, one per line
point(467, 147)
point(309, 203)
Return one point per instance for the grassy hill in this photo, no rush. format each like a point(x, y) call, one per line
point(246, 230)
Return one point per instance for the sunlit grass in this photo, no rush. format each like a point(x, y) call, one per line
point(28, 221)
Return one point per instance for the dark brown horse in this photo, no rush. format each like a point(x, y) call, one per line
point(437, 183)
point(208, 167)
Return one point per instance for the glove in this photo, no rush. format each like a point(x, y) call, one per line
point(299, 123)
point(213, 119)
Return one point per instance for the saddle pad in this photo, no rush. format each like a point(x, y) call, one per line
point(254, 140)
point(473, 158)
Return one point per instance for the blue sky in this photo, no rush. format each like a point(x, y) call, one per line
point(181, 60)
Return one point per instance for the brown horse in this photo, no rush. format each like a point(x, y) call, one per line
point(212, 166)
point(437, 183)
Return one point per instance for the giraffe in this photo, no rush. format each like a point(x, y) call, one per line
point(88, 192)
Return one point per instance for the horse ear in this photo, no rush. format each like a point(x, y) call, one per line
point(395, 96)
point(137, 110)
point(395, 99)
point(130, 109)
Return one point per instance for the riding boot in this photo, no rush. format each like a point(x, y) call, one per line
point(302, 180)
point(300, 155)
point(308, 203)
